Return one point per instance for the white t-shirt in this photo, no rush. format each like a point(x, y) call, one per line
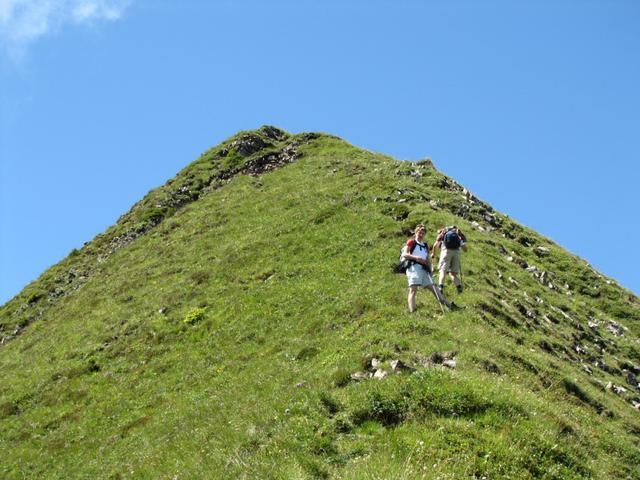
point(420, 249)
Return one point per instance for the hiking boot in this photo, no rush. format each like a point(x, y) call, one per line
point(453, 307)
point(441, 288)
point(459, 288)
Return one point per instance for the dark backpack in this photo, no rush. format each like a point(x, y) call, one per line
point(403, 265)
point(452, 240)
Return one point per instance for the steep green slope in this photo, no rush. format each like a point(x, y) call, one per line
point(214, 332)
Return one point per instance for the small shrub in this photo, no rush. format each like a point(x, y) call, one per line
point(340, 377)
point(314, 469)
point(34, 297)
point(490, 367)
point(331, 405)
point(200, 277)
point(306, 353)
point(388, 410)
point(322, 443)
point(426, 162)
point(153, 214)
point(8, 409)
point(342, 423)
point(195, 315)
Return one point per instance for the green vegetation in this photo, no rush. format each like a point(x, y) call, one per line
point(195, 315)
point(213, 333)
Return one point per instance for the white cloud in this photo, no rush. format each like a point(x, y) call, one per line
point(22, 22)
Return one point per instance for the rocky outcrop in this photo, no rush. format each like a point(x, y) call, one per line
point(378, 369)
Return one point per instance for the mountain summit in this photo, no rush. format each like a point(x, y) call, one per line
point(243, 321)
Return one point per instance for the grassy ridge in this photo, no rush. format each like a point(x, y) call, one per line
point(218, 343)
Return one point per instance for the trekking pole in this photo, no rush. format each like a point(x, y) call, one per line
point(461, 250)
point(439, 297)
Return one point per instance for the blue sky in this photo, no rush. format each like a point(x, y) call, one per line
point(532, 105)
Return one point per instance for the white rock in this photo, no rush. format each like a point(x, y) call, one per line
point(451, 363)
point(359, 376)
point(380, 374)
point(618, 389)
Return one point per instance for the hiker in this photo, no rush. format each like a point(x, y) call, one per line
point(419, 271)
point(451, 240)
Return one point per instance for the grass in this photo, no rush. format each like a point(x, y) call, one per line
point(219, 343)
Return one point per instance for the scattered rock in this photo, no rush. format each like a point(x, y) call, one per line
point(380, 374)
point(633, 381)
point(561, 312)
point(617, 389)
point(587, 369)
point(398, 366)
point(477, 226)
point(272, 132)
point(491, 367)
point(451, 363)
point(581, 350)
point(493, 220)
point(547, 319)
point(544, 278)
point(468, 196)
point(248, 144)
point(359, 376)
point(617, 330)
point(541, 250)
point(436, 358)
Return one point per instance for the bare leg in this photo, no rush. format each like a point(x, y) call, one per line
point(456, 280)
point(411, 298)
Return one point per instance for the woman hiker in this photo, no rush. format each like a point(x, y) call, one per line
point(419, 272)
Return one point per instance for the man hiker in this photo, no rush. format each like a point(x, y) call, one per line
point(451, 240)
point(418, 273)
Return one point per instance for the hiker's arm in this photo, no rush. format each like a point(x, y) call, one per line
point(436, 246)
point(428, 266)
point(407, 256)
point(437, 243)
point(405, 253)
